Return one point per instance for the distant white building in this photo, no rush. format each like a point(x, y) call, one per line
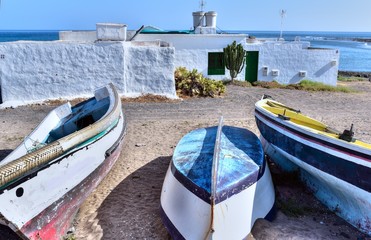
point(266, 59)
point(143, 62)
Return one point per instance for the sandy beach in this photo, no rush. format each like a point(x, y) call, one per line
point(126, 203)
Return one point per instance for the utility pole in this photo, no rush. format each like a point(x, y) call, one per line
point(202, 5)
point(283, 15)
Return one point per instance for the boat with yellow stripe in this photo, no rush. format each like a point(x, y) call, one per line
point(335, 165)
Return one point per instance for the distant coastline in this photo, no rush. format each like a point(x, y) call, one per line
point(362, 40)
point(354, 74)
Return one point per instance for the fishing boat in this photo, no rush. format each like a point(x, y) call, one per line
point(217, 185)
point(48, 176)
point(335, 165)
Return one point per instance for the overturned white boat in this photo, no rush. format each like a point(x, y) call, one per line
point(47, 177)
point(217, 185)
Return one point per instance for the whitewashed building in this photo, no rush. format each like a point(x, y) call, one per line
point(143, 62)
point(266, 60)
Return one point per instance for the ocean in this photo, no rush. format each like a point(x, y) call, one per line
point(10, 36)
point(355, 51)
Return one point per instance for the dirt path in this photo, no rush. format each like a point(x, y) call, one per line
point(126, 203)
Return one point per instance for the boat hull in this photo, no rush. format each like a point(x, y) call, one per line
point(338, 176)
point(202, 201)
point(186, 216)
point(75, 180)
point(73, 149)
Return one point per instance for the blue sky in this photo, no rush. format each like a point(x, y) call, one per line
point(302, 15)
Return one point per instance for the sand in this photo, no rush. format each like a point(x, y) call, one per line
point(126, 204)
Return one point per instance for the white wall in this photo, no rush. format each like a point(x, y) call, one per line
point(87, 36)
point(290, 58)
point(198, 59)
point(33, 71)
point(149, 70)
point(192, 49)
point(287, 57)
point(194, 41)
point(82, 36)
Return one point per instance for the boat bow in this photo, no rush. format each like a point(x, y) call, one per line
point(34, 160)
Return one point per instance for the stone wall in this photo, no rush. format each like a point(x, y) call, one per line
point(149, 70)
point(36, 71)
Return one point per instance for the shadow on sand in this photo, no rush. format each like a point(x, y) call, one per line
point(133, 207)
point(4, 153)
point(7, 234)
point(131, 210)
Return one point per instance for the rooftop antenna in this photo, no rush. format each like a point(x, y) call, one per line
point(202, 5)
point(283, 15)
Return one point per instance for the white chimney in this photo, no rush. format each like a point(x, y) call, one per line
point(198, 19)
point(211, 19)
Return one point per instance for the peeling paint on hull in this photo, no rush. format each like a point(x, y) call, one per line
point(63, 211)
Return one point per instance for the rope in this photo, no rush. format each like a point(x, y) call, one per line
point(35, 145)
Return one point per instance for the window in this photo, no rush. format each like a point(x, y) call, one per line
point(216, 63)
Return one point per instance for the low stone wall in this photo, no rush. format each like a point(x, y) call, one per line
point(37, 71)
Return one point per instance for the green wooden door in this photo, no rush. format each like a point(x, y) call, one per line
point(252, 59)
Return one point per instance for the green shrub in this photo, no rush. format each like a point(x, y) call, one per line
point(305, 85)
point(193, 83)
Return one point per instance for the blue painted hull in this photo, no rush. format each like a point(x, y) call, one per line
point(192, 162)
point(242, 178)
point(339, 175)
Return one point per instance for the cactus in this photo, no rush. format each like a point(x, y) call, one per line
point(234, 58)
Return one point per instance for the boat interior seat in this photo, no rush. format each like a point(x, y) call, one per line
point(81, 117)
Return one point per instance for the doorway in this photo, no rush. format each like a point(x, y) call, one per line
point(252, 60)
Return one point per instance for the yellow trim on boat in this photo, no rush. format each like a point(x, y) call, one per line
point(303, 121)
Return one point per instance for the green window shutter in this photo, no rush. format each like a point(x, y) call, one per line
point(216, 63)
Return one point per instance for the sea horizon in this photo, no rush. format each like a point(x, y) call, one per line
point(354, 47)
